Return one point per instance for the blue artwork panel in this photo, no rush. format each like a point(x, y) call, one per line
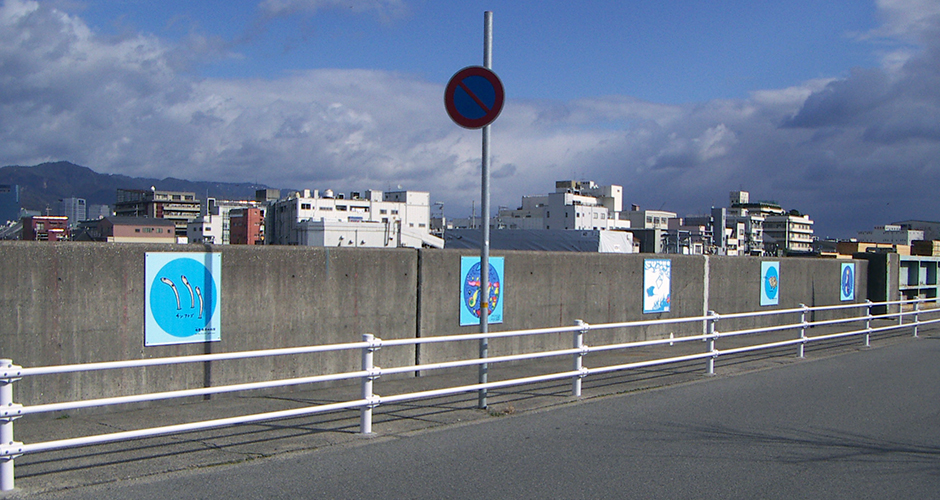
point(182, 298)
point(847, 282)
point(769, 283)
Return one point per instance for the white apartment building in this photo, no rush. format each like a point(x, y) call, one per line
point(581, 205)
point(206, 229)
point(375, 219)
point(891, 234)
point(649, 219)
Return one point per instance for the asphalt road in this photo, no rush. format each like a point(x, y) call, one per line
point(860, 425)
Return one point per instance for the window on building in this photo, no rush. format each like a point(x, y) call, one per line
point(383, 211)
point(305, 206)
point(341, 208)
point(394, 212)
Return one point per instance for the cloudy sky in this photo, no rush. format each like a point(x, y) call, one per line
point(831, 108)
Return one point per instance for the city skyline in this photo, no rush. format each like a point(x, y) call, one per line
point(830, 109)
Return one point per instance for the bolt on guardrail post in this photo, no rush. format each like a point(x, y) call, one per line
point(916, 316)
point(578, 357)
point(8, 372)
point(802, 346)
point(368, 355)
point(710, 363)
point(868, 324)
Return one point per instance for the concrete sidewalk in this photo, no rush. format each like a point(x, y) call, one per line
point(70, 468)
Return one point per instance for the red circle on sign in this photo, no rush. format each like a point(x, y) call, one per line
point(490, 110)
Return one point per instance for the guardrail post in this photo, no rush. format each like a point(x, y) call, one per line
point(578, 357)
point(710, 331)
point(916, 316)
point(801, 349)
point(368, 354)
point(8, 375)
point(868, 324)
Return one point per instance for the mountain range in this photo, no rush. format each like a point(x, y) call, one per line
point(42, 186)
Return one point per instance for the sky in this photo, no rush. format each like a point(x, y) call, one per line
point(830, 108)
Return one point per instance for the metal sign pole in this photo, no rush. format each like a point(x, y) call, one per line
point(485, 247)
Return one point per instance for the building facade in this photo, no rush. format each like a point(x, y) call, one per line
point(246, 226)
point(127, 230)
point(891, 234)
point(179, 207)
point(577, 205)
point(402, 218)
point(74, 208)
point(46, 228)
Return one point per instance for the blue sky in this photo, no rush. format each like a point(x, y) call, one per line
point(831, 108)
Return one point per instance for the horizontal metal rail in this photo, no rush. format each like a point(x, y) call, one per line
point(9, 373)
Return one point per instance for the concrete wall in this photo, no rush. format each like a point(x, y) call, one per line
point(547, 289)
point(77, 303)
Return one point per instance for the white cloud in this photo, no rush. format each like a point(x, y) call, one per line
point(834, 148)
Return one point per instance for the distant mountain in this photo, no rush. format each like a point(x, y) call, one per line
point(44, 185)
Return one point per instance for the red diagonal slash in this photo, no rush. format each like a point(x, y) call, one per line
point(473, 96)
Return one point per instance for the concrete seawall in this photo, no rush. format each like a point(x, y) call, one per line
point(78, 303)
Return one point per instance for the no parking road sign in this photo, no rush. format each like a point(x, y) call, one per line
point(474, 97)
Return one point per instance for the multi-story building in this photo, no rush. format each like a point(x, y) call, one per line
point(649, 219)
point(46, 228)
point(73, 208)
point(768, 224)
point(375, 219)
point(891, 234)
point(246, 226)
point(581, 205)
point(931, 229)
point(791, 232)
point(179, 207)
point(9, 203)
point(206, 229)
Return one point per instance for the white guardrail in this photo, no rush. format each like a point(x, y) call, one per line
point(10, 373)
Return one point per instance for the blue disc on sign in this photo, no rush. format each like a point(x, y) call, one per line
point(771, 283)
point(474, 97)
point(183, 298)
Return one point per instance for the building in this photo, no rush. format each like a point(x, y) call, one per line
point(544, 240)
point(206, 229)
point(575, 205)
point(46, 228)
point(767, 225)
point(375, 219)
point(649, 219)
point(790, 233)
point(891, 234)
point(73, 208)
point(127, 230)
point(179, 207)
point(931, 229)
point(9, 203)
point(98, 211)
point(246, 226)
